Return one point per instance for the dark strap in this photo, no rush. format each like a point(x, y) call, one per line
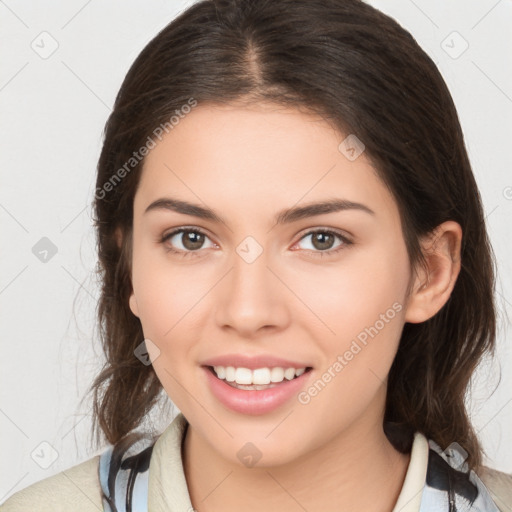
point(124, 472)
point(449, 486)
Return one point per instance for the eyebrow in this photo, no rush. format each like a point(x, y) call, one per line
point(286, 216)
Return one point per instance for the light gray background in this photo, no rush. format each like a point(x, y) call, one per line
point(53, 113)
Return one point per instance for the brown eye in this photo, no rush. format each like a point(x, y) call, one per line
point(184, 241)
point(192, 240)
point(323, 242)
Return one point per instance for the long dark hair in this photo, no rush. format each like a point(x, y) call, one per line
point(365, 74)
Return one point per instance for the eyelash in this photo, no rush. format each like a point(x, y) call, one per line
point(320, 254)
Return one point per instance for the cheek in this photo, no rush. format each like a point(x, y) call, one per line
point(166, 292)
point(361, 307)
point(364, 313)
point(165, 301)
point(351, 295)
point(168, 299)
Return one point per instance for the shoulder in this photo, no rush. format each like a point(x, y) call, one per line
point(499, 485)
point(449, 478)
point(76, 488)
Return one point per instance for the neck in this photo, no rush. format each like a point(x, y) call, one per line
point(359, 469)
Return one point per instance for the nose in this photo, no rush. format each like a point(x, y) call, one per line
point(252, 297)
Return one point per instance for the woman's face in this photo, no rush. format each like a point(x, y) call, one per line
point(259, 283)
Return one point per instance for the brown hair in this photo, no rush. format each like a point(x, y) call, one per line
point(363, 72)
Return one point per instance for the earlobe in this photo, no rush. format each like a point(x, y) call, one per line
point(118, 235)
point(434, 284)
point(133, 305)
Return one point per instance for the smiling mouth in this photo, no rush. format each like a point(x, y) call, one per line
point(258, 387)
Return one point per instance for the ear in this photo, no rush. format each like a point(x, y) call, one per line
point(118, 234)
point(433, 286)
point(133, 304)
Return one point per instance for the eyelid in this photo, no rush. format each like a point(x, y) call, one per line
point(341, 233)
point(344, 235)
point(345, 242)
point(345, 238)
point(166, 236)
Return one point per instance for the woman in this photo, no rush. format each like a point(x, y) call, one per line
point(292, 247)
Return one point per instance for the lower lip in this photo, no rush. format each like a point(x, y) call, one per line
point(254, 401)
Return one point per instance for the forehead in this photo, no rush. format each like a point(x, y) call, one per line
point(261, 156)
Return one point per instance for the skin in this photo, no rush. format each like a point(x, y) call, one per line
point(247, 163)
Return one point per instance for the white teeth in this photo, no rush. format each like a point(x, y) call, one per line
point(277, 374)
point(230, 374)
point(289, 373)
point(259, 376)
point(220, 371)
point(243, 376)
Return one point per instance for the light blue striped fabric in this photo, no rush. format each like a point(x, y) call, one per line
point(449, 486)
point(123, 474)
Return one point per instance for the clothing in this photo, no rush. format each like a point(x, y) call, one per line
point(80, 488)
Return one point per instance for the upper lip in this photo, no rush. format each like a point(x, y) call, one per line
point(252, 362)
